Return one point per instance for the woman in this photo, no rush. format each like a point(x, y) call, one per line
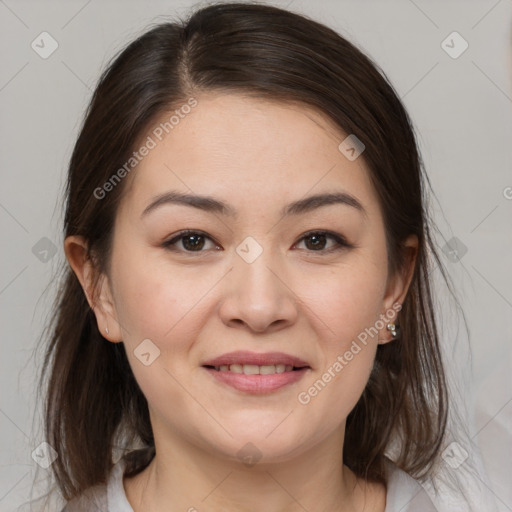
point(246, 322)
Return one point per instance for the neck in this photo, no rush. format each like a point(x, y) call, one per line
point(183, 477)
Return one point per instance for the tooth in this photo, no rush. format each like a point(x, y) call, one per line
point(251, 369)
point(236, 368)
point(254, 369)
point(267, 369)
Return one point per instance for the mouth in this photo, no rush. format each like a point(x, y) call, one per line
point(254, 369)
point(256, 373)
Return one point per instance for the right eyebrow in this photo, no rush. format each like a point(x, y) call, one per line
point(214, 205)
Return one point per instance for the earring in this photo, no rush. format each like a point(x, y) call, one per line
point(394, 329)
point(106, 330)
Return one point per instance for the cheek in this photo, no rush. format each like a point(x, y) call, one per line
point(156, 302)
point(166, 308)
point(350, 306)
point(349, 301)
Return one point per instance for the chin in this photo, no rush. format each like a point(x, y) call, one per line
point(268, 440)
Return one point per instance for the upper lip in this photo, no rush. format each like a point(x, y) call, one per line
point(260, 359)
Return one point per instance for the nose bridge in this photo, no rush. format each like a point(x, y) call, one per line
point(255, 270)
point(257, 293)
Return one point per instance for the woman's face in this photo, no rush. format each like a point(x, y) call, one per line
point(252, 279)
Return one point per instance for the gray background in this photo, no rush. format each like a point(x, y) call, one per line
point(461, 108)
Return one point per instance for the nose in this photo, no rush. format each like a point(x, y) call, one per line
point(258, 296)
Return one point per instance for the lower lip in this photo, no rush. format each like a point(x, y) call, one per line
point(257, 384)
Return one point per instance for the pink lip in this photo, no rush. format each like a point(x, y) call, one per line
point(246, 357)
point(257, 384)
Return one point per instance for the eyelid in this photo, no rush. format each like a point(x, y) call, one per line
point(178, 236)
point(338, 238)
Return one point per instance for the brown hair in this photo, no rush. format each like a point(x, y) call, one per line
point(92, 400)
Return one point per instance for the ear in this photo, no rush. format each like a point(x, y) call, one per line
point(398, 286)
point(96, 287)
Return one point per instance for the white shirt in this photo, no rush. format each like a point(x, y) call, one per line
point(404, 494)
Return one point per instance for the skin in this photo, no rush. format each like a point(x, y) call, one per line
point(257, 156)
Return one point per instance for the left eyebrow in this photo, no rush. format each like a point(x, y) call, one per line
point(319, 200)
point(211, 204)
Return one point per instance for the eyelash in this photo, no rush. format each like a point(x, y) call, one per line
point(340, 241)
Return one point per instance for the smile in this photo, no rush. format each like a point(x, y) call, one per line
point(254, 379)
point(254, 369)
point(256, 373)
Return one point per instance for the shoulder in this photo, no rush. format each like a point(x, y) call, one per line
point(404, 493)
point(107, 497)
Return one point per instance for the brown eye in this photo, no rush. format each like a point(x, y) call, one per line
point(316, 241)
point(191, 241)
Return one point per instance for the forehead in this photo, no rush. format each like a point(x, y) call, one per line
point(248, 151)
